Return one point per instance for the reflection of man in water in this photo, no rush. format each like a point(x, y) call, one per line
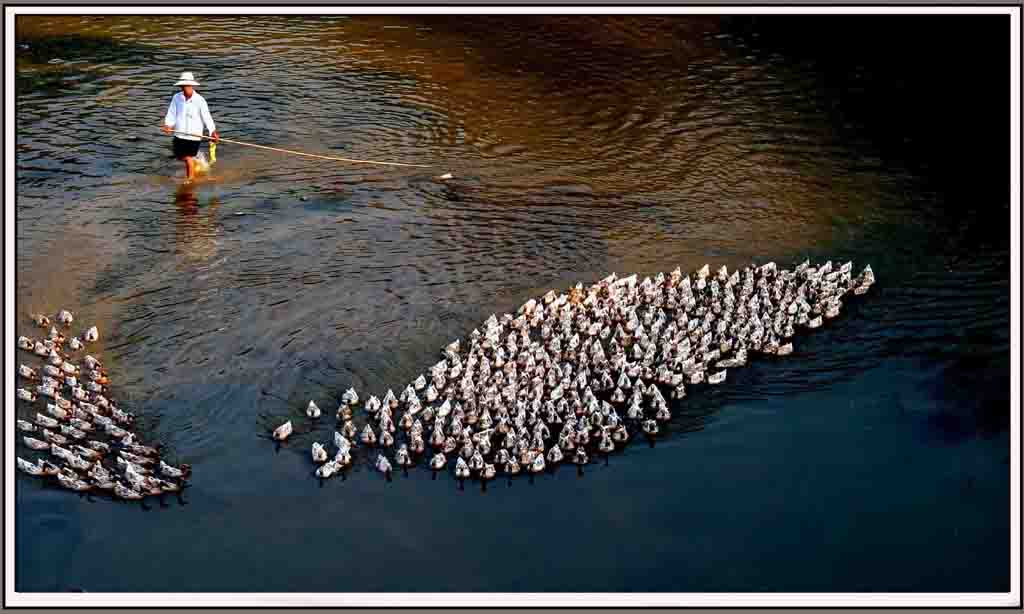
point(186, 116)
point(196, 227)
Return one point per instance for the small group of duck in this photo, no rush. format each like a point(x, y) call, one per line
point(581, 373)
point(87, 436)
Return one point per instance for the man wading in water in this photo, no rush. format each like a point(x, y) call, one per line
point(187, 115)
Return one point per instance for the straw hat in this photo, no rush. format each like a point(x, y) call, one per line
point(186, 78)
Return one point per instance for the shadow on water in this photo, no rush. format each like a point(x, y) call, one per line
point(50, 64)
point(919, 93)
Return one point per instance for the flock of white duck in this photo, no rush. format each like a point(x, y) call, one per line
point(582, 373)
point(87, 439)
point(569, 376)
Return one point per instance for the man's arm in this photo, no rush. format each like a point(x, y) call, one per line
point(208, 120)
point(168, 126)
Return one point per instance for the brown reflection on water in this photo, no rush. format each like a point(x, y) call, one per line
point(578, 145)
point(196, 227)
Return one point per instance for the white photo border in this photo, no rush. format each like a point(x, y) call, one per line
point(601, 600)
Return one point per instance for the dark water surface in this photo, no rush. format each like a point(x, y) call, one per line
point(876, 458)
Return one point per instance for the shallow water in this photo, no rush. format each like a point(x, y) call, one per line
point(875, 458)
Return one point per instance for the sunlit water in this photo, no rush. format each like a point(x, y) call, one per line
point(874, 458)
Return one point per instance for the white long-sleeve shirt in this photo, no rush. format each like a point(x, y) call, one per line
point(189, 115)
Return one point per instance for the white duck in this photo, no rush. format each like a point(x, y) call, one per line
point(115, 431)
point(282, 432)
point(372, 405)
point(46, 421)
point(29, 468)
point(99, 446)
point(72, 432)
point(73, 483)
point(328, 469)
point(488, 472)
point(367, 436)
point(402, 456)
point(65, 318)
point(461, 469)
point(537, 464)
point(343, 458)
point(341, 442)
point(125, 492)
point(91, 335)
point(383, 465)
point(35, 444)
point(87, 453)
point(438, 461)
point(319, 453)
point(312, 410)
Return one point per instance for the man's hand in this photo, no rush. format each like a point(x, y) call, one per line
point(215, 136)
point(167, 129)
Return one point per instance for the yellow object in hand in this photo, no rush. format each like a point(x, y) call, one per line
point(213, 152)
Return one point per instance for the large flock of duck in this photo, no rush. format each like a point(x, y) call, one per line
point(76, 435)
point(582, 373)
point(568, 377)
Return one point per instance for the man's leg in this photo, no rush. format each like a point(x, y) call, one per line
point(190, 168)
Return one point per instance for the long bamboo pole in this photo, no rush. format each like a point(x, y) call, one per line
point(301, 153)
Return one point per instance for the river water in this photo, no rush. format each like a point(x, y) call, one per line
point(875, 458)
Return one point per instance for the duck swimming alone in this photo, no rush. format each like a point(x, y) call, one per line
point(283, 432)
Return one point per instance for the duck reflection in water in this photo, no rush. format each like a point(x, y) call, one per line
point(197, 227)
